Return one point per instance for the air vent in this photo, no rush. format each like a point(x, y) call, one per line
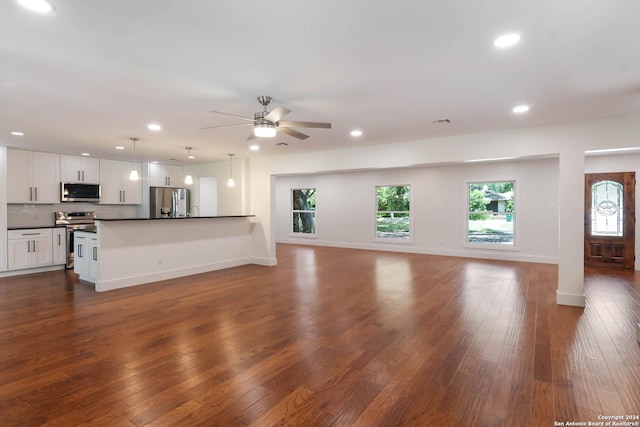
point(281, 144)
point(441, 121)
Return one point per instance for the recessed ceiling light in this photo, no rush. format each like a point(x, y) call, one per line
point(154, 127)
point(254, 147)
point(85, 154)
point(119, 147)
point(15, 133)
point(356, 132)
point(40, 6)
point(521, 109)
point(506, 40)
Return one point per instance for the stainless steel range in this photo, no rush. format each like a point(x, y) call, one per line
point(75, 221)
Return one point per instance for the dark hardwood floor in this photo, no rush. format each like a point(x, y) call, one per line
point(328, 337)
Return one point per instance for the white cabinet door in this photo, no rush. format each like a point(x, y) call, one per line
point(92, 267)
point(79, 169)
point(81, 250)
point(18, 174)
point(110, 181)
point(29, 248)
point(117, 188)
point(42, 252)
point(46, 177)
point(34, 177)
point(59, 246)
point(19, 255)
point(132, 190)
point(165, 175)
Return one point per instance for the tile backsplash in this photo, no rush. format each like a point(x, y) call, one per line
point(23, 215)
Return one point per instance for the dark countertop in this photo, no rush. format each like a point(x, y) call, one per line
point(179, 218)
point(30, 227)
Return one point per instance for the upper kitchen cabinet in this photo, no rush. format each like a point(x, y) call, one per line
point(116, 187)
point(34, 177)
point(165, 175)
point(79, 169)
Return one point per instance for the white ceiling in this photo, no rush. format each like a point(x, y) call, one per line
point(98, 71)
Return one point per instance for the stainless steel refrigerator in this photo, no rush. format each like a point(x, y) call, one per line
point(168, 202)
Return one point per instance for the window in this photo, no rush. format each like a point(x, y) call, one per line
point(491, 213)
point(393, 213)
point(303, 213)
point(606, 212)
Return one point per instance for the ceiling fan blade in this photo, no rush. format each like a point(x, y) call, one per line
point(277, 114)
point(251, 136)
point(320, 125)
point(294, 133)
point(232, 115)
point(226, 126)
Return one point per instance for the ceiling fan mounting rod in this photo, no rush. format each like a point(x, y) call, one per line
point(264, 101)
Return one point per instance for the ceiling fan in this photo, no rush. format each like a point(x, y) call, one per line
point(267, 123)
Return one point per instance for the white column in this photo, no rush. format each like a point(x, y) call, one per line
point(571, 228)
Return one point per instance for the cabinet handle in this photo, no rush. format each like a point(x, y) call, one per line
point(79, 251)
point(36, 193)
point(59, 241)
point(30, 194)
point(30, 234)
point(95, 253)
point(78, 175)
point(124, 196)
point(28, 246)
point(82, 176)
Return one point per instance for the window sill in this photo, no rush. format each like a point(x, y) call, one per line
point(303, 235)
point(497, 247)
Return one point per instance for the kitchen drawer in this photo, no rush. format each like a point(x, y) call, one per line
point(30, 233)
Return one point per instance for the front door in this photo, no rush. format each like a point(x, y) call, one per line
point(609, 232)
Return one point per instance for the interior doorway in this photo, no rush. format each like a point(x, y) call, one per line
point(609, 212)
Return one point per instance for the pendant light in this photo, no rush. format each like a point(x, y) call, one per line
point(133, 175)
point(188, 180)
point(230, 182)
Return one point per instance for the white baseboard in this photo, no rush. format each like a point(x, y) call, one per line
point(31, 271)
point(575, 300)
point(464, 253)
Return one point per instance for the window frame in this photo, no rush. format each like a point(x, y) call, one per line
point(515, 216)
point(293, 211)
point(394, 240)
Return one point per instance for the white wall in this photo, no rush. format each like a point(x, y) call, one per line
point(345, 208)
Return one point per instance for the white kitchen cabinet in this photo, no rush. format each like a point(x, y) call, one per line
point(59, 243)
point(117, 188)
point(34, 177)
point(79, 169)
point(161, 175)
point(29, 248)
point(86, 256)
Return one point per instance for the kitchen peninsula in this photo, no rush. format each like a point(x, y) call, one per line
point(133, 251)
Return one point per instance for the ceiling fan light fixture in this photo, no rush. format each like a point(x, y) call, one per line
point(264, 130)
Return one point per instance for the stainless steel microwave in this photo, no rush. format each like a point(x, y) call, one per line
point(74, 192)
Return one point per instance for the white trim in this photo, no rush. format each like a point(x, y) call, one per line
point(10, 273)
point(387, 240)
point(390, 247)
point(575, 300)
point(516, 222)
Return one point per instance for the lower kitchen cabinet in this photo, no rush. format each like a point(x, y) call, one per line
point(86, 256)
point(29, 248)
point(59, 246)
